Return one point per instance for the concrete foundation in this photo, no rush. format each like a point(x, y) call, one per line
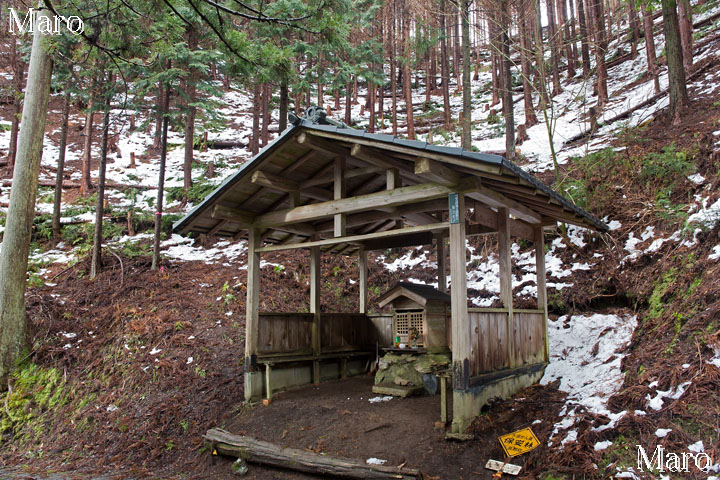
point(287, 376)
point(467, 404)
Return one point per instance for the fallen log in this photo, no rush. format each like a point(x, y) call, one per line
point(223, 144)
point(257, 451)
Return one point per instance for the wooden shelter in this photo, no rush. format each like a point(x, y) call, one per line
point(422, 308)
point(339, 190)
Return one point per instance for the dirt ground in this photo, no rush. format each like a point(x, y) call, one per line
point(337, 418)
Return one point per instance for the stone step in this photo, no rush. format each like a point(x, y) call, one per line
point(397, 390)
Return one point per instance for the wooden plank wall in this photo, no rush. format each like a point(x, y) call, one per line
point(383, 328)
point(529, 338)
point(346, 331)
point(285, 333)
point(488, 343)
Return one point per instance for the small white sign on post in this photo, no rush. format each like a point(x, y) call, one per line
point(508, 468)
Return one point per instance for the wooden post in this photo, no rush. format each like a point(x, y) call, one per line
point(315, 277)
point(441, 263)
point(339, 192)
point(541, 288)
point(393, 181)
point(268, 385)
point(363, 280)
point(253, 378)
point(132, 160)
point(462, 413)
point(505, 260)
point(443, 400)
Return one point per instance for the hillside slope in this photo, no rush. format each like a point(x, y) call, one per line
point(126, 372)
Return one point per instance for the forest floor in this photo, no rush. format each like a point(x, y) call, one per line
point(128, 371)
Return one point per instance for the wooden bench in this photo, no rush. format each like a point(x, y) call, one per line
point(271, 360)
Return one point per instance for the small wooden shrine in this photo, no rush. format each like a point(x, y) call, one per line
point(421, 316)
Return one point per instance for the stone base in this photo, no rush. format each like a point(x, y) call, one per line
point(397, 390)
point(412, 369)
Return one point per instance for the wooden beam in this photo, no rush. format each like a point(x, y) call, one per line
point(392, 147)
point(218, 226)
point(383, 160)
point(488, 218)
point(339, 228)
point(409, 240)
point(330, 148)
point(285, 185)
point(363, 279)
point(441, 253)
point(505, 261)
point(436, 172)
point(236, 215)
point(315, 296)
point(436, 227)
point(252, 302)
point(273, 181)
point(541, 287)
point(385, 214)
point(371, 201)
point(496, 199)
point(330, 176)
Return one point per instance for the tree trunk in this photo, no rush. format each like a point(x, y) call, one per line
point(57, 202)
point(406, 80)
point(686, 28)
point(634, 28)
point(676, 70)
point(445, 66)
point(265, 133)
point(348, 103)
point(158, 115)
point(562, 10)
point(191, 93)
point(96, 263)
point(600, 49)
point(466, 140)
point(21, 210)
point(18, 67)
point(161, 182)
point(507, 94)
point(265, 453)
point(650, 47)
point(283, 107)
point(494, 31)
point(554, 53)
point(257, 106)
point(85, 182)
point(525, 65)
point(584, 48)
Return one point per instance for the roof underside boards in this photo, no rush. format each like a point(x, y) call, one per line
point(288, 191)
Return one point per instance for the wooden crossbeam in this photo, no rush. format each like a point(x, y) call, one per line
point(436, 172)
point(396, 148)
point(283, 184)
point(496, 199)
point(371, 201)
point(435, 227)
point(329, 177)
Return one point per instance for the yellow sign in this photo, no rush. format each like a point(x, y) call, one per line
point(517, 443)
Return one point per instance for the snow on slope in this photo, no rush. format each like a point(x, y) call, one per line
point(585, 355)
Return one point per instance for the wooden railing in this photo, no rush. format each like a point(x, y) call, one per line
point(493, 349)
